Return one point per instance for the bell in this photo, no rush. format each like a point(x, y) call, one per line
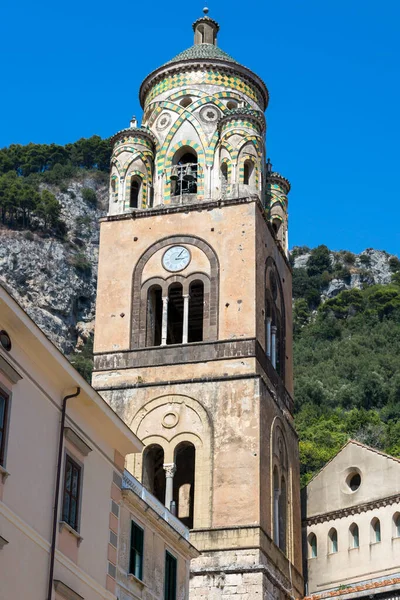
point(189, 174)
point(174, 174)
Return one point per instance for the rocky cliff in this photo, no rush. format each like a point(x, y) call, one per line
point(54, 279)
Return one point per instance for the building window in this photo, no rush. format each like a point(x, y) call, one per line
point(375, 531)
point(72, 485)
point(396, 523)
point(154, 315)
point(170, 577)
point(153, 471)
point(136, 554)
point(354, 536)
point(184, 480)
point(4, 404)
point(196, 312)
point(312, 546)
point(333, 541)
point(135, 190)
point(184, 174)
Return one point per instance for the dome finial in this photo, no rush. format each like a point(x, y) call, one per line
point(206, 10)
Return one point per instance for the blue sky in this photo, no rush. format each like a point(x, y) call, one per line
point(71, 70)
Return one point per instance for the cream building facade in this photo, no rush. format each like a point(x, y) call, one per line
point(76, 551)
point(351, 518)
point(193, 335)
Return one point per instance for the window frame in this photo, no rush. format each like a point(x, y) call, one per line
point(68, 457)
point(6, 395)
point(170, 587)
point(133, 552)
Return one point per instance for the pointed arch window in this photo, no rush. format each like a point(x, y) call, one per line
point(312, 546)
point(332, 541)
point(375, 531)
point(136, 185)
point(247, 171)
point(354, 536)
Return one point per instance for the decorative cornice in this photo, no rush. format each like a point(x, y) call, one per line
point(134, 132)
point(352, 510)
point(247, 113)
point(205, 19)
point(280, 180)
point(201, 64)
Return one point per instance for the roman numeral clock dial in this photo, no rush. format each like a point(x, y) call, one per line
point(176, 258)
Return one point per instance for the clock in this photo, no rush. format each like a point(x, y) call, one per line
point(176, 258)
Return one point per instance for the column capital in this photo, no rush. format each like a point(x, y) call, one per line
point(274, 328)
point(170, 469)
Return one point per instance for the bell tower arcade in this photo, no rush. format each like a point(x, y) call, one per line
point(193, 336)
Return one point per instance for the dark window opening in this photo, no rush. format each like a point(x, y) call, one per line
point(282, 516)
point(196, 311)
point(154, 316)
point(4, 401)
point(355, 482)
point(136, 551)
point(247, 170)
point(175, 314)
point(170, 577)
point(72, 483)
point(135, 189)
point(153, 471)
point(184, 483)
point(224, 173)
point(184, 174)
point(279, 357)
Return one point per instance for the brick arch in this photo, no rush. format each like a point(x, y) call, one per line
point(138, 323)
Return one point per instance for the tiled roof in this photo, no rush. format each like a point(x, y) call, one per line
point(202, 51)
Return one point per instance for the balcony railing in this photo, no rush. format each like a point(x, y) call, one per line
point(129, 482)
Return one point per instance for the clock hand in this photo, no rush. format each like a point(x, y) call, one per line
point(179, 254)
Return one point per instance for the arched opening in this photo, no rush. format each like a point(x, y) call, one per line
point(396, 525)
point(354, 536)
point(332, 541)
point(276, 506)
point(248, 168)
point(276, 223)
point(184, 173)
point(375, 531)
point(153, 471)
point(312, 546)
point(282, 515)
point(224, 174)
point(278, 344)
point(175, 314)
point(185, 458)
point(196, 311)
point(114, 189)
point(136, 185)
point(154, 315)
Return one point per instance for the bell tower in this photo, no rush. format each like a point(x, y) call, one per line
point(193, 337)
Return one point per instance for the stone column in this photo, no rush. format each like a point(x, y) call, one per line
point(273, 345)
point(170, 469)
point(164, 321)
point(268, 336)
point(185, 318)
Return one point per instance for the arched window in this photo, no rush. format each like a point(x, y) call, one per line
point(375, 531)
point(282, 515)
point(175, 314)
point(276, 506)
point(274, 319)
point(136, 185)
point(153, 471)
point(224, 174)
point(114, 188)
point(154, 316)
point(185, 459)
point(354, 536)
point(247, 171)
point(396, 525)
point(332, 541)
point(312, 546)
point(184, 173)
point(196, 311)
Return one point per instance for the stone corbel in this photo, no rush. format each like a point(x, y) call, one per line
point(65, 591)
point(77, 441)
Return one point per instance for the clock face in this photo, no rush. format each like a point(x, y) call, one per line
point(176, 258)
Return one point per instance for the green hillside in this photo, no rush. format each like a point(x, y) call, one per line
point(346, 365)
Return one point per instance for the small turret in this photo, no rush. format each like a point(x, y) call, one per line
point(277, 189)
point(205, 30)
